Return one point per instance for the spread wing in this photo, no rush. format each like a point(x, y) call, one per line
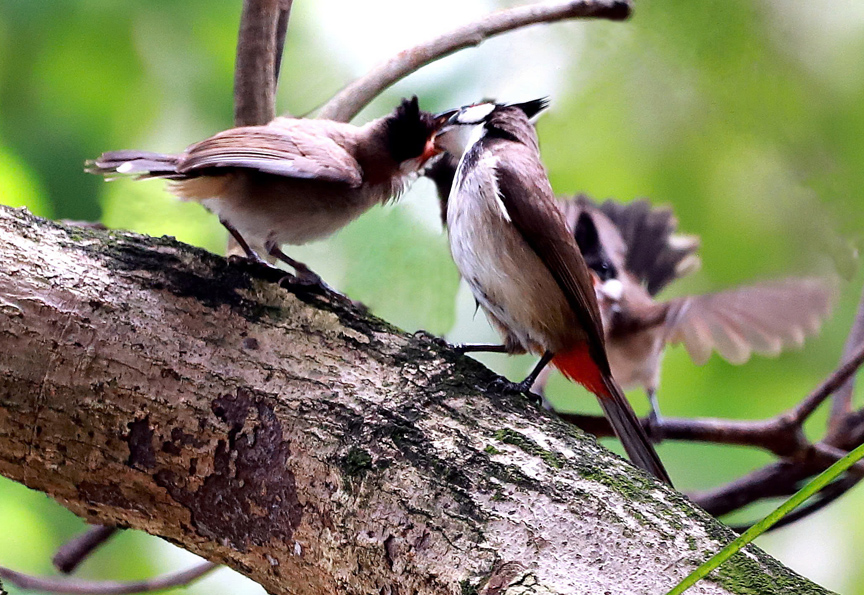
point(279, 150)
point(764, 319)
point(532, 209)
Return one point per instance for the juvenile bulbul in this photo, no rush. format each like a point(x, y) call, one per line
point(640, 254)
point(511, 244)
point(293, 180)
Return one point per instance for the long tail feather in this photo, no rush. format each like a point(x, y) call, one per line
point(580, 367)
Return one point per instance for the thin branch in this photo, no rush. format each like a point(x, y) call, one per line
point(255, 67)
point(842, 401)
point(73, 552)
point(76, 586)
point(837, 378)
point(827, 455)
point(828, 495)
point(781, 435)
point(774, 435)
point(348, 102)
point(772, 481)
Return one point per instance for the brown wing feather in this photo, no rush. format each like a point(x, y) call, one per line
point(533, 211)
point(764, 319)
point(275, 150)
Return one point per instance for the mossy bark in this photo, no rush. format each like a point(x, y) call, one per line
point(310, 446)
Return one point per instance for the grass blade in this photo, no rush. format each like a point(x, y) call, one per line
point(819, 482)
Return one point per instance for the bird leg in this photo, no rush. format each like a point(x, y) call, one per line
point(250, 253)
point(524, 387)
point(304, 277)
point(654, 419)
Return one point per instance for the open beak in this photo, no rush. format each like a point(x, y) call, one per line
point(444, 118)
point(443, 122)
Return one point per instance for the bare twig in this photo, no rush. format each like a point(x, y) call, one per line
point(82, 587)
point(772, 481)
point(842, 401)
point(837, 378)
point(782, 435)
point(782, 478)
point(774, 435)
point(828, 495)
point(73, 552)
point(348, 102)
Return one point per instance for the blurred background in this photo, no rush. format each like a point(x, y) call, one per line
point(746, 116)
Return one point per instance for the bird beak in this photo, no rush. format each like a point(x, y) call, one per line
point(442, 122)
point(444, 118)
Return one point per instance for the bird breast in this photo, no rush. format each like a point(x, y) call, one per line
point(508, 279)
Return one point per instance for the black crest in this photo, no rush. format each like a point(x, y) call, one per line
point(408, 129)
point(592, 250)
point(533, 107)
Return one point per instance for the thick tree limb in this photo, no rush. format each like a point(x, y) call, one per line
point(148, 384)
point(349, 101)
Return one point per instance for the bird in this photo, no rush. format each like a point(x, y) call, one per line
point(642, 243)
point(292, 180)
point(638, 253)
point(510, 242)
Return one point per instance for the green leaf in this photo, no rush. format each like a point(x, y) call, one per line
point(819, 482)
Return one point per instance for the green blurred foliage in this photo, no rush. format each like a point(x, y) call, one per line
point(747, 116)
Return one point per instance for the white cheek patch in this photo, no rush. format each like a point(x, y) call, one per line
point(455, 140)
point(475, 113)
point(612, 289)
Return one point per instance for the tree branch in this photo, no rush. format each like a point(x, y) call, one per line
point(347, 103)
point(281, 32)
point(148, 384)
point(76, 586)
point(76, 550)
point(263, 26)
point(256, 64)
point(841, 405)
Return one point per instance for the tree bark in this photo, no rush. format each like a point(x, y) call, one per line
point(315, 449)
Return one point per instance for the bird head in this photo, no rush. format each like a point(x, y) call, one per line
point(468, 122)
point(410, 134)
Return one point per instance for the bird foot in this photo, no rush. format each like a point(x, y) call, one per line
point(655, 427)
point(306, 281)
point(247, 259)
point(518, 388)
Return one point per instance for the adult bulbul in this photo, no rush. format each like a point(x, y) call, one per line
point(640, 254)
point(511, 244)
point(293, 180)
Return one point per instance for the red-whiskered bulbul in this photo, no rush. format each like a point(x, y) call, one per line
point(638, 253)
point(293, 180)
point(511, 244)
